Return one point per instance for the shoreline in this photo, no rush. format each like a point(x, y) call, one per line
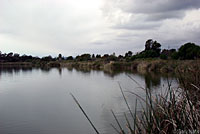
point(141, 66)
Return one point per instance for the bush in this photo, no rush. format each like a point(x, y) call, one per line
point(174, 55)
point(163, 56)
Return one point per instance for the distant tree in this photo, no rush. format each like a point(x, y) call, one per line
point(148, 44)
point(189, 51)
point(152, 50)
point(174, 55)
point(128, 54)
point(10, 54)
point(93, 56)
point(60, 57)
point(26, 58)
point(47, 58)
point(165, 54)
point(105, 55)
point(16, 55)
point(83, 57)
point(98, 56)
point(120, 57)
point(156, 47)
point(69, 58)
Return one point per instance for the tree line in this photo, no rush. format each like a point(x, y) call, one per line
point(152, 49)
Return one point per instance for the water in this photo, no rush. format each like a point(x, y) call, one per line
point(38, 101)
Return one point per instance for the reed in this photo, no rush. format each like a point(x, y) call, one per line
point(176, 111)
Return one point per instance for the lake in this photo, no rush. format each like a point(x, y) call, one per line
point(38, 101)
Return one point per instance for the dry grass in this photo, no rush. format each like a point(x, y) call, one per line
point(177, 111)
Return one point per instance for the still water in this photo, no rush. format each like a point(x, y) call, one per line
point(38, 101)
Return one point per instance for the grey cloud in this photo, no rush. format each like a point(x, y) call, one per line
point(164, 16)
point(138, 26)
point(155, 10)
point(157, 6)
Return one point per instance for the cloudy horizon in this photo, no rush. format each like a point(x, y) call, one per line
point(50, 27)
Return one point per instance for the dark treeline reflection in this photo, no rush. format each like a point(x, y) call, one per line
point(151, 79)
point(16, 70)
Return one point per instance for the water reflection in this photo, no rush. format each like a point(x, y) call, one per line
point(37, 100)
point(151, 79)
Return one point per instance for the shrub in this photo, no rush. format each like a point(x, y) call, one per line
point(163, 56)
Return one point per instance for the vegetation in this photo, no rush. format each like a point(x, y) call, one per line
point(188, 51)
point(176, 111)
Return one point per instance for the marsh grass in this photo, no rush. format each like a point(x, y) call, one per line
point(176, 111)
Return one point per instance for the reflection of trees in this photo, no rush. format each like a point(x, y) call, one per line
point(60, 71)
point(112, 73)
point(83, 70)
point(14, 70)
point(45, 69)
point(152, 80)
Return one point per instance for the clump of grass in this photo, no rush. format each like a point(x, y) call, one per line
point(177, 111)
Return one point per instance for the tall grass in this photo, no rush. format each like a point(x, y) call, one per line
point(176, 111)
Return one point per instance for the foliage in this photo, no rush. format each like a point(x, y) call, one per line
point(83, 57)
point(174, 55)
point(128, 54)
point(163, 56)
point(69, 58)
point(152, 50)
point(189, 51)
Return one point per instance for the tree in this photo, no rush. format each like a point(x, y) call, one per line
point(70, 58)
point(152, 50)
point(16, 55)
point(189, 51)
point(128, 54)
point(47, 58)
point(156, 46)
point(148, 44)
point(93, 56)
point(83, 57)
point(98, 56)
point(10, 54)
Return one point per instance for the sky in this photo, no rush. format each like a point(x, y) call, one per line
point(74, 27)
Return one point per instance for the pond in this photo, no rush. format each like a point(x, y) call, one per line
point(38, 101)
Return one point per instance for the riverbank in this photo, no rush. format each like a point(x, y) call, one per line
point(141, 66)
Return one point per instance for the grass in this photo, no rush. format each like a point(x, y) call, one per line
point(176, 111)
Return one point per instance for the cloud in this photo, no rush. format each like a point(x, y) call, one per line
point(61, 26)
point(43, 27)
point(157, 6)
point(171, 22)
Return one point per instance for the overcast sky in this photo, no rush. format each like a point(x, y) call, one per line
point(72, 27)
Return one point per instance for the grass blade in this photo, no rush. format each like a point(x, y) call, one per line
point(84, 113)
